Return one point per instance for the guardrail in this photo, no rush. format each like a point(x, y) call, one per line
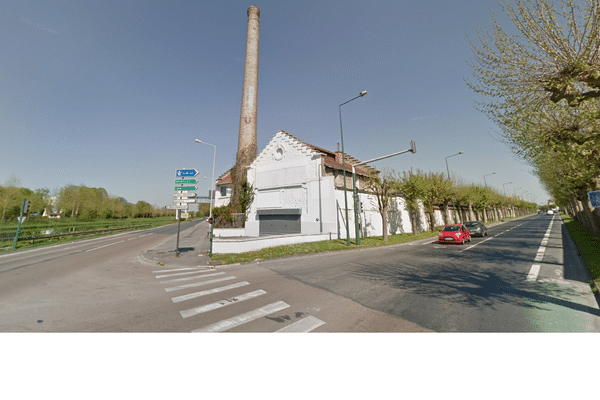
point(32, 239)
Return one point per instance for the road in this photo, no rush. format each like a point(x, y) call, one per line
point(104, 285)
point(523, 277)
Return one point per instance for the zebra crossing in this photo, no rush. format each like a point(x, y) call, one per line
point(209, 281)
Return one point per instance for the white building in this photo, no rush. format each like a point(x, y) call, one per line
point(299, 189)
point(299, 197)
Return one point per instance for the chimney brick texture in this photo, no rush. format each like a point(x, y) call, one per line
point(247, 142)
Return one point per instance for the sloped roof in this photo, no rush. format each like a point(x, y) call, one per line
point(331, 159)
point(226, 178)
point(334, 159)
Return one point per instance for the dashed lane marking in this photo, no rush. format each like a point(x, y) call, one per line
point(106, 245)
point(243, 318)
point(533, 272)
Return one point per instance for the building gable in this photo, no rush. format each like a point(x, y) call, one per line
point(284, 149)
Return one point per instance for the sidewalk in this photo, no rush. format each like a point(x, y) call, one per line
point(194, 245)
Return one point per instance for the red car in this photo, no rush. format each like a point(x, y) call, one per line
point(455, 233)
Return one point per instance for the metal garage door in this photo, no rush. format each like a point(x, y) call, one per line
point(279, 224)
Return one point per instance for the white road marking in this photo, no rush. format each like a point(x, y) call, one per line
point(220, 304)
point(191, 278)
point(533, 272)
point(185, 273)
point(106, 245)
point(243, 318)
point(203, 283)
point(207, 292)
point(173, 270)
point(477, 244)
point(304, 325)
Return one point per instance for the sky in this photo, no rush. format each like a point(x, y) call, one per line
point(112, 94)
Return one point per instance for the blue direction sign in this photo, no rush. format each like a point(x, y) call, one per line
point(187, 172)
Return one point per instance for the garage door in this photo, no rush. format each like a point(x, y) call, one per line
point(279, 224)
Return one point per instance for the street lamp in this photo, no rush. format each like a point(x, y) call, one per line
point(212, 195)
point(484, 181)
point(448, 171)
point(413, 149)
point(361, 94)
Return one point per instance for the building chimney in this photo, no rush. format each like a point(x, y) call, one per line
point(247, 142)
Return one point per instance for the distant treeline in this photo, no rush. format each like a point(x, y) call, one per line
point(78, 202)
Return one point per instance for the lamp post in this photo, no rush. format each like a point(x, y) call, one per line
point(361, 94)
point(484, 181)
point(212, 195)
point(413, 149)
point(448, 171)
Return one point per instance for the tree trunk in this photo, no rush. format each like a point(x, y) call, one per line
point(384, 220)
point(589, 215)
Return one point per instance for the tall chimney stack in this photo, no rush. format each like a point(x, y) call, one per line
point(247, 143)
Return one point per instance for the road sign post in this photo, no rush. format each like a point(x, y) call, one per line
point(24, 209)
point(178, 228)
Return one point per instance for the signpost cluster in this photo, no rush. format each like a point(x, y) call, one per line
point(184, 196)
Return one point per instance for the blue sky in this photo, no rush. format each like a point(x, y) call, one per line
point(112, 94)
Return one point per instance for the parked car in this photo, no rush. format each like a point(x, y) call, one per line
point(454, 233)
point(476, 228)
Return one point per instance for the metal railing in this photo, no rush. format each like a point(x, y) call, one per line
point(60, 235)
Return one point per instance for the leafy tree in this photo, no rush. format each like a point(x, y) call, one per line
point(9, 193)
point(412, 188)
point(246, 198)
point(544, 86)
point(383, 186)
point(142, 209)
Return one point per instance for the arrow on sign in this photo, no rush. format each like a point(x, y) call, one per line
point(187, 172)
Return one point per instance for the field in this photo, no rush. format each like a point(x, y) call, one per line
point(34, 233)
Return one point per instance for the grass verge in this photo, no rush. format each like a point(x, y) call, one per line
point(587, 244)
point(24, 243)
point(317, 247)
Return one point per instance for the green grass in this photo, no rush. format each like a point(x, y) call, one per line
point(331, 245)
point(317, 247)
point(587, 244)
point(33, 228)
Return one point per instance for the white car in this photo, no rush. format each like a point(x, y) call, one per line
point(550, 212)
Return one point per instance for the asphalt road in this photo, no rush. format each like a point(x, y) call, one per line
point(523, 277)
point(488, 285)
point(109, 284)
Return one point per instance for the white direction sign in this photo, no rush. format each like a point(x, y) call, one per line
point(180, 201)
point(178, 207)
point(184, 194)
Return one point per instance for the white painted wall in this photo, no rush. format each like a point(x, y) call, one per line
point(242, 245)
